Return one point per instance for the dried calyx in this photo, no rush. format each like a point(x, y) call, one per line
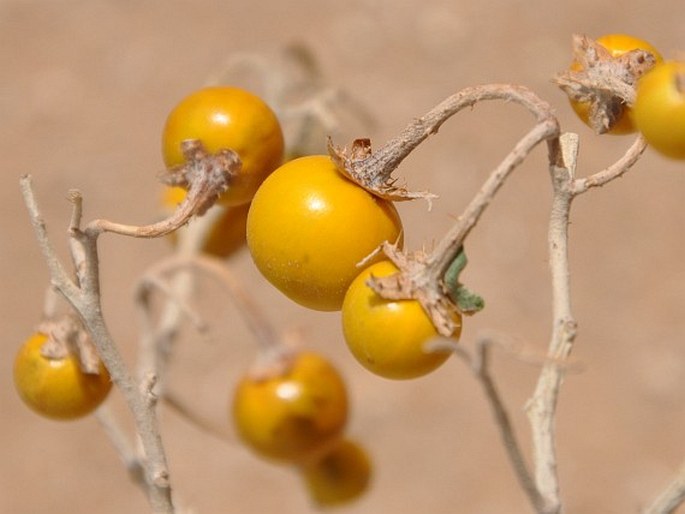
point(205, 175)
point(65, 336)
point(433, 279)
point(606, 82)
point(439, 291)
point(373, 171)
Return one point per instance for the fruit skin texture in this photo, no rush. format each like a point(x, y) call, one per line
point(227, 117)
point(225, 237)
point(340, 476)
point(294, 416)
point(659, 110)
point(617, 44)
point(57, 388)
point(309, 226)
point(388, 336)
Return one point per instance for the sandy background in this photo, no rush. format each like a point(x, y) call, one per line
point(84, 92)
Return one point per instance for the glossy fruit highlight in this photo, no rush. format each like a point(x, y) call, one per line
point(294, 415)
point(659, 110)
point(309, 228)
point(57, 388)
point(227, 117)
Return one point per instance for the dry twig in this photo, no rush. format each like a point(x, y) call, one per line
point(207, 178)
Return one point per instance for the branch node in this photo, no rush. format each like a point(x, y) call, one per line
point(147, 388)
point(160, 479)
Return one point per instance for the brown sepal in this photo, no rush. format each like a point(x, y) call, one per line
point(360, 165)
point(219, 168)
point(413, 283)
point(606, 82)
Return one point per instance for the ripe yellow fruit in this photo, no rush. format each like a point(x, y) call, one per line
point(294, 415)
point(388, 337)
point(57, 388)
point(227, 118)
point(309, 229)
point(340, 476)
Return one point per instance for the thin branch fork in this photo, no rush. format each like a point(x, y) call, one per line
point(543, 492)
point(373, 170)
point(85, 298)
point(671, 498)
point(541, 407)
point(86, 301)
point(206, 176)
point(616, 170)
point(252, 315)
point(479, 363)
point(164, 276)
point(421, 276)
point(157, 337)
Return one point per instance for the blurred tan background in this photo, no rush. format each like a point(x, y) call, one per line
point(84, 92)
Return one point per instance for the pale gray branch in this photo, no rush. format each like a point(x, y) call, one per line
point(86, 301)
point(671, 498)
point(614, 171)
point(482, 370)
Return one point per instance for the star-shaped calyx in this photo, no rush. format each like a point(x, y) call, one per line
point(603, 80)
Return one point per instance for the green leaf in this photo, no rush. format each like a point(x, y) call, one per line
point(466, 301)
